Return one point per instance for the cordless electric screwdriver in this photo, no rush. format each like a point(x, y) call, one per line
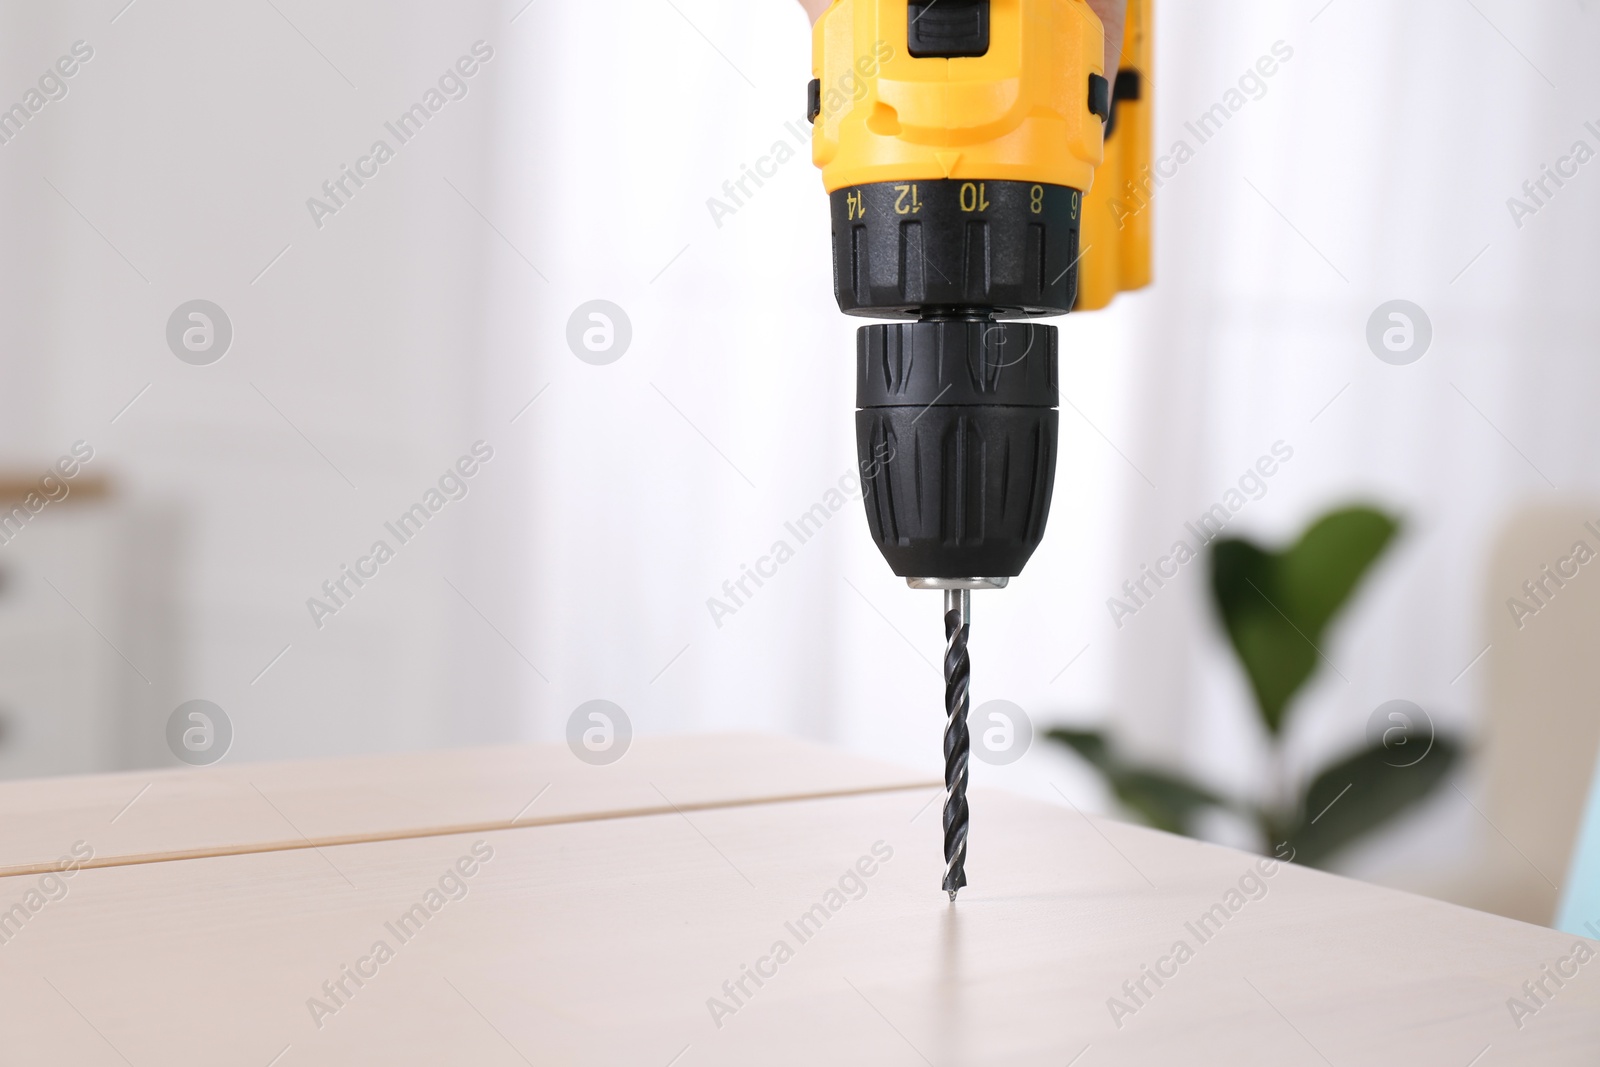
point(958, 142)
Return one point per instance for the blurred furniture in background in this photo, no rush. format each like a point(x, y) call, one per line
point(1580, 905)
point(1538, 750)
point(83, 631)
point(1543, 723)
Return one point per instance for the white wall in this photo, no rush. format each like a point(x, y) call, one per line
point(189, 143)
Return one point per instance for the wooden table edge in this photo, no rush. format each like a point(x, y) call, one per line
point(417, 833)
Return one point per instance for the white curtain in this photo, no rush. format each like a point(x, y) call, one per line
point(1374, 164)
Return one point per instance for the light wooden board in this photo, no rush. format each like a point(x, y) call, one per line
point(190, 812)
point(601, 943)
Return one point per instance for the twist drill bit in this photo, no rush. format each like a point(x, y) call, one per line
point(957, 741)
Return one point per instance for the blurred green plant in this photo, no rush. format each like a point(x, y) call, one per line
point(1276, 607)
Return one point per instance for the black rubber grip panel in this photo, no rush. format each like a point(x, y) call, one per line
point(947, 29)
point(1100, 97)
point(1129, 87)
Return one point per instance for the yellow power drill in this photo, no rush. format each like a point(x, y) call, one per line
point(979, 165)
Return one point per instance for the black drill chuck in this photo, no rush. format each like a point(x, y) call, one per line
point(956, 428)
point(956, 432)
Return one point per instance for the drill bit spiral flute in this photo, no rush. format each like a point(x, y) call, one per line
point(957, 140)
point(957, 741)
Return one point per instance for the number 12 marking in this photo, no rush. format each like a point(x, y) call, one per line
point(901, 207)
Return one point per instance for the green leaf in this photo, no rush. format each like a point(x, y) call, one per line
point(1090, 744)
point(1321, 572)
point(1276, 606)
point(1362, 792)
point(1163, 799)
point(1167, 801)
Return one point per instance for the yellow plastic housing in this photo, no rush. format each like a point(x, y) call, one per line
point(1114, 235)
point(1017, 113)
